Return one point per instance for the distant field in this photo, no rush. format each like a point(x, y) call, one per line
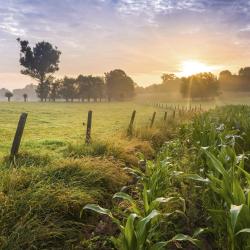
point(60, 122)
point(57, 123)
point(175, 98)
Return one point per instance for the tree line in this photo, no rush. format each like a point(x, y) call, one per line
point(203, 85)
point(235, 82)
point(42, 61)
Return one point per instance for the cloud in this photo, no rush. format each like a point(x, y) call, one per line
point(141, 36)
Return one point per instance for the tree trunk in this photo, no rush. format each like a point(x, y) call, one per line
point(8, 99)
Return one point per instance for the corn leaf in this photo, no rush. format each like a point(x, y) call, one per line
point(234, 215)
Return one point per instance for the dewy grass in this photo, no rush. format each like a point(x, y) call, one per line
point(40, 207)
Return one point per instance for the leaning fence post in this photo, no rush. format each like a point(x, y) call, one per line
point(130, 127)
point(152, 120)
point(88, 130)
point(18, 135)
point(165, 115)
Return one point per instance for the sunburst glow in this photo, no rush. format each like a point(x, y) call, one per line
point(191, 67)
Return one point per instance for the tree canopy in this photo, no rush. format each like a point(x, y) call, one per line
point(235, 82)
point(119, 85)
point(39, 63)
point(8, 94)
point(200, 86)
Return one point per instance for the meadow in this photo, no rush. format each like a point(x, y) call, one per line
point(61, 123)
point(182, 183)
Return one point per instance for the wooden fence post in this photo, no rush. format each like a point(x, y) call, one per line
point(165, 115)
point(130, 127)
point(18, 135)
point(88, 130)
point(174, 114)
point(152, 120)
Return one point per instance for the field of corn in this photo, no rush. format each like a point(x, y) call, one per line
point(184, 183)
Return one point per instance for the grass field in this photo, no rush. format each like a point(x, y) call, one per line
point(60, 123)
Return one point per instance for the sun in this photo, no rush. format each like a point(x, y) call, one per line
point(191, 67)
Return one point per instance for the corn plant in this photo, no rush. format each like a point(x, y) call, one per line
point(137, 232)
point(231, 183)
point(139, 229)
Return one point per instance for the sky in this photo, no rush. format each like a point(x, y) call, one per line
point(145, 38)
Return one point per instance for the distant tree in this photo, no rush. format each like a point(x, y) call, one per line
point(54, 91)
point(25, 97)
point(40, 63)
point(97, 90)
point(244, 76)
point(245, 72)
point(8, 94)
point(228, 81)
point(84, 87)
point(168, 77)
point(43, 90)
point(225, 74)
point(201, 86)
point(119, 85)
point(68, 89)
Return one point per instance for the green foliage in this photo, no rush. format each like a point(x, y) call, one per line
point(8, 94)
point(140, 223)
point(40, 207)
point(39, 63)
point(202, 85)
point(218, 137)
point(119, 85)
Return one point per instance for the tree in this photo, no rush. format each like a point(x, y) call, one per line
point(54, 91)
point(225, 74)
point(25, 97)
point(202, 86)
point(40, 63)
point(83, 87)
point(228, 81)
point(98, 88)
point(245, 72)
point(68, 89)
point(244, 75)
point(119, 85)
point(168, 77)
point(8, 94)
point(42, 90)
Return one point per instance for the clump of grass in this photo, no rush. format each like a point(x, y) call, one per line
point(40, 207)
point(123, 150)
point(156, 136)
point(93, 149)
point(29, 159)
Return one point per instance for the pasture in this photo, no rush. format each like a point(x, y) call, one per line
point(57, 124)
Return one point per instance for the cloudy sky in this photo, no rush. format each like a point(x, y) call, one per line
point(143, 37)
